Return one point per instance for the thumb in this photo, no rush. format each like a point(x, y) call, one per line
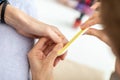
point(100, 34)
point(53, 54)
point(97, 33)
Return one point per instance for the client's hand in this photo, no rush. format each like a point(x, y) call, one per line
point(42, 59)
point(30, 27)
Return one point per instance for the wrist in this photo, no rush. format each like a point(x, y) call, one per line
point(42, 75)
point(3, 5)
point(36, 76)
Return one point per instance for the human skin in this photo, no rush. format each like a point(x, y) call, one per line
point(100, 34)
point(37, 58)
point(13, 43)
point(42, 59)
point(32, 28)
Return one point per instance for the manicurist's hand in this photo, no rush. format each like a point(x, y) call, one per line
point(42, 59)
point(100, 34)
point(94, 19)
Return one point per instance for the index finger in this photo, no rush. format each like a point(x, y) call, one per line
point(87, 24)
point(95, 6)
point(53, 54)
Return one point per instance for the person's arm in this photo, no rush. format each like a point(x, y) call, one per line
point(28, 26)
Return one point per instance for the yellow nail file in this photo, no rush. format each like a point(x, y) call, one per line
point(81, 32)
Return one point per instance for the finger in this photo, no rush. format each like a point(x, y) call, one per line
point(63, 56)
point(54, 36)
point(95, 6)
point(64, 40)
point(48, 43)
point(100, 34)
point(97, 33)
point(85, 24)
point(57, 60)
point(88, 24)
point(40, 44)
point(53, 54)
point(49, 48)
point(58, 32)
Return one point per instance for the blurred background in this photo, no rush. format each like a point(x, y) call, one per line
point(88, 58)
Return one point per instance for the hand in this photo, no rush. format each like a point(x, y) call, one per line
point(49, 45)
point(100, 34)
point(94, 19)
point(30, 27)
point(42, 59)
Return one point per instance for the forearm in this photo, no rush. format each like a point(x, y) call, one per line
point(22, 22)
point(15, 17)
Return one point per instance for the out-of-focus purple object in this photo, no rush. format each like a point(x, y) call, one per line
point(83, 8)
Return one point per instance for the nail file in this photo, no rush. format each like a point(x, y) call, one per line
point(80, 33)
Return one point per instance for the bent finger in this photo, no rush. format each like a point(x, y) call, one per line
point(53, 54)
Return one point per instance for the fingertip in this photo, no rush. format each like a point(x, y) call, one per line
point(82, 26)
point(64, 55)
